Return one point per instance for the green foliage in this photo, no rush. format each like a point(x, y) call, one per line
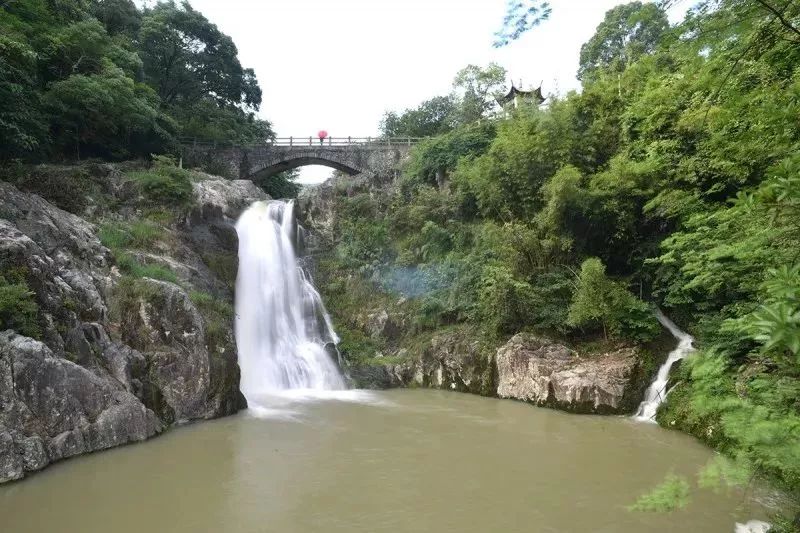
point(441, 154)
point(218, 318)
point(521, 17)
point(478, 88)
point(186, 58)
point(281, 185)
point(165, 185)
point(600, 300)
point(128, 295)
point(140, 234)
point(22, 124)
point(675, 170)
point(363, 244)
point(504, 301)
point(627, 32)
point(776, 323)
point(118, 16)
point(224, 267)
point(133, 268)
point(18, 308)
point(670, 495)
point(722, 472)
point(432, 117)
point(68, 189)
point(105, 79)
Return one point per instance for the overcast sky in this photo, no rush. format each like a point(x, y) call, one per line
point(339, 64)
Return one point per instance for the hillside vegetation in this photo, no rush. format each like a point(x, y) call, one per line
point(671, 179)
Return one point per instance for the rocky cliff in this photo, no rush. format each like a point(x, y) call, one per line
point(117, 357)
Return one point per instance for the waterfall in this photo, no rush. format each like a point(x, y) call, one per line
point(656, 392)
point(283, 332)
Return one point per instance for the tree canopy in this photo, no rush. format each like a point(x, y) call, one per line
point(627, 32)
point(474, 97)
point(85, 78)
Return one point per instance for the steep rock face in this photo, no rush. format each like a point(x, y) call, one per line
point(96, 380)
point(217, 197)
point(317, 210)
point(542, 372)
point(209, 231)
point(51, 409)
point(62, 259)
point(451, 361)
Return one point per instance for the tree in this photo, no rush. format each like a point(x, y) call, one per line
point(205, 120)
point(280, 185)
point(432, 117)
point(520, 17)
point(598, 299)
point(118, 16)
point(22, 125)
point(104, 115)
point(627, 32)
point(478, 87)
point(82, 48)
point(186, 58)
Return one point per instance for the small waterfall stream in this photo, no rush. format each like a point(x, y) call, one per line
point(657, 391)
point(283, 332)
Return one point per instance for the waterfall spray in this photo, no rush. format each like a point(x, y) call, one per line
point(283, 332)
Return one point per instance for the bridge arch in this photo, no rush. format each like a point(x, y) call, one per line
point(289, 162)
point(375, 157)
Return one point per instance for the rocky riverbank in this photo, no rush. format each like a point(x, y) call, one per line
point(124, 341)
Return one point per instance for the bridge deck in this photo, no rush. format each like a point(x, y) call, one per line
point(300, 142)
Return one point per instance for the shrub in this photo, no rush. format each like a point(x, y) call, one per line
point(504, 302)
point(18, 308)
point(140, 234)
point(165, 184)
point(67, 190)
point(218, 317)
point(363, 244)
point(130, 266)
point(280, 185)
point(600, 300)
point(128, 296)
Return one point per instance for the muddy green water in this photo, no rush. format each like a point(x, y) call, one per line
point(394, 461)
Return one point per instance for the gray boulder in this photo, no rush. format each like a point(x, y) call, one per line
point(543, 372)
point(53, 409)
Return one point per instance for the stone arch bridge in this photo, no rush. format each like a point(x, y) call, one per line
point(375, 157)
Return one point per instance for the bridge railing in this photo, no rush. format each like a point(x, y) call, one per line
point(345, 141)
point(377, 142)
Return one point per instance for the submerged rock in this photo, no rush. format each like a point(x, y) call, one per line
point(543, 372)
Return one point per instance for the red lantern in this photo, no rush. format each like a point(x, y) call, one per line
point(322, 135)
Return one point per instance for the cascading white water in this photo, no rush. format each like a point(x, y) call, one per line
point(282, 327)
point(657, 392)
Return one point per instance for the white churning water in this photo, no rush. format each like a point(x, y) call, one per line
point(657, 391)
point(284, 335)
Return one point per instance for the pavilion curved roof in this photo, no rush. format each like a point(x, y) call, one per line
point(536, 94)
